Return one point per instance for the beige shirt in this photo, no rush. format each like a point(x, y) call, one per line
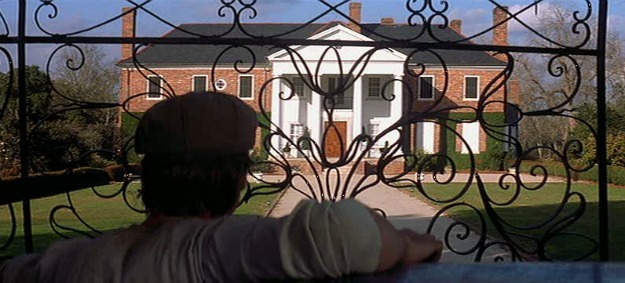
point(316, 240)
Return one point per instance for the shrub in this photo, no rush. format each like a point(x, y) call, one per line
point(419, 156)
point(260, 163)
point(616, 174)
point(493, 158)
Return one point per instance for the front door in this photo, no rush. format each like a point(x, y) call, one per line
point(333, 142)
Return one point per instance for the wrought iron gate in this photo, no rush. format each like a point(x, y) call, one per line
point(384, 153)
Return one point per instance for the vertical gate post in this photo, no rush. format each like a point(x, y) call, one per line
point(23, 123)
point(602, 158)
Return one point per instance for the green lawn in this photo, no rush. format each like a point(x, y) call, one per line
point(542, 206)
point(101, 213)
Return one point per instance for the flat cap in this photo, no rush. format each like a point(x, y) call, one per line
point(197, 123)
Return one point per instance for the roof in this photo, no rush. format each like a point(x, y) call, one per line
point(187, 55)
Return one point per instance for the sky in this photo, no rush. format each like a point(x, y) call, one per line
point(75, 15)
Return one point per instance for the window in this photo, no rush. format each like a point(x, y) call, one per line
point(220, 84)
point(298, 86)
point(199, 83)
point(374, 87)
point(155, 89)
point(373, 130)
point(471, 88)
point(426, 88)
point(245, 87)
point(471, 133)
point(297, 130)
point(343, 97)
point(340, 97)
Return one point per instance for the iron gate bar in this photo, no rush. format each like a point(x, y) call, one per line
point(602, 154)
point(260, 41)
point(23, 123)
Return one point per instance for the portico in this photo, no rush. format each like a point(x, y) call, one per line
point(364, 86)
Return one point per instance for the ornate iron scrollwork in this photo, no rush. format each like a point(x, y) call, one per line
point(318, 175)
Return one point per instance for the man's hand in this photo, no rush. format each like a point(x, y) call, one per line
point(421, 247)
point(405, 246)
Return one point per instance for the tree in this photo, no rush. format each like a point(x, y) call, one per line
point(71, 111)
point(83, 78)
point(554, 81)
point(38, 103)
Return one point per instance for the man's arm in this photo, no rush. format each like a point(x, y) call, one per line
point(334, 239)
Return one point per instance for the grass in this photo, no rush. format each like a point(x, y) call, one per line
point(102, 214)
point(542, 206)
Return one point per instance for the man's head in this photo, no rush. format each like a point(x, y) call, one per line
point(195, 150)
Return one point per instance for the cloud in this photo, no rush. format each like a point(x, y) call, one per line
point(616, 23)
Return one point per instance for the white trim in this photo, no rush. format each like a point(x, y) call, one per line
point(464, 88)
point(239, 88)
point(433, 88)
point(425, 136)
point(193, 82)
point(329, 32)
point(160, 87)
point(471, 134)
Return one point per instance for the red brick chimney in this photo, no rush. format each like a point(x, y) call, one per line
point(387, 21)
point(355, 12)
point(500, 33)
point(456, 25)
point(128, 29)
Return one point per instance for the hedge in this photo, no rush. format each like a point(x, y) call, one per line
point(129, 126)
point(263, 154)
point(130, 123)
point(616, 174)
point(491, 159)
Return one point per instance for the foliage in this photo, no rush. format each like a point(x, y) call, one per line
point(260, 163)
point(616, 174)
point(69, 114)
point(263, 133)
point(130, 121)
point(305, 139)
point(38, 103)
point(549, 81)
point(421, 159)
point(615, 134)
point(491, 159)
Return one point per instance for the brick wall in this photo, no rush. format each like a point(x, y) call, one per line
point(181, 81)
point(454, 96)
point(134, 83)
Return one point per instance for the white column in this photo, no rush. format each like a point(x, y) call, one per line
point(396, 104)
point(276, 103)
point(357, 112)
point(315, 121)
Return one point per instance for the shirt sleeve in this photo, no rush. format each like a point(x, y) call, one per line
point(329, 240)
point(20, 269)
